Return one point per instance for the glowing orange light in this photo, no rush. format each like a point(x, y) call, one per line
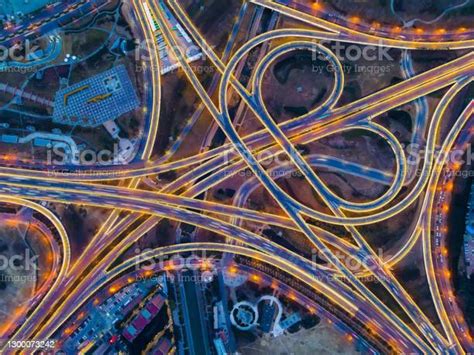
point(9, 157)
point(397, 29)
point(255, 278)
point(355, 19)
point(12, 222)
point(19, 311)
point(375, 24)
point(5, 329)
point(393, 343)
point(206, 264)
point(168, 267)
point(316, 6)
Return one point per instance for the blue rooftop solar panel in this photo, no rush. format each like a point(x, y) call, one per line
point(99, 99)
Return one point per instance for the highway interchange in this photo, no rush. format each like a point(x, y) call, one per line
point(178, 201)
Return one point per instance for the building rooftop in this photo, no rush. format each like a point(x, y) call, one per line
point(12, 7)
point(469, 235)
point(96, 100)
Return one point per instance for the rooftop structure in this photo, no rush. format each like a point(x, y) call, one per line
point(145, 316)
point(290, 320)
point(266, 321)
point(192, 307)
point(220, 347)
point(168, 62)
point(13, 7)
point(469, 235)
point(163, 347)
point(244, 315)
point(96, 100)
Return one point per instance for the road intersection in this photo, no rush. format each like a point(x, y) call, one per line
point(178, 200)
